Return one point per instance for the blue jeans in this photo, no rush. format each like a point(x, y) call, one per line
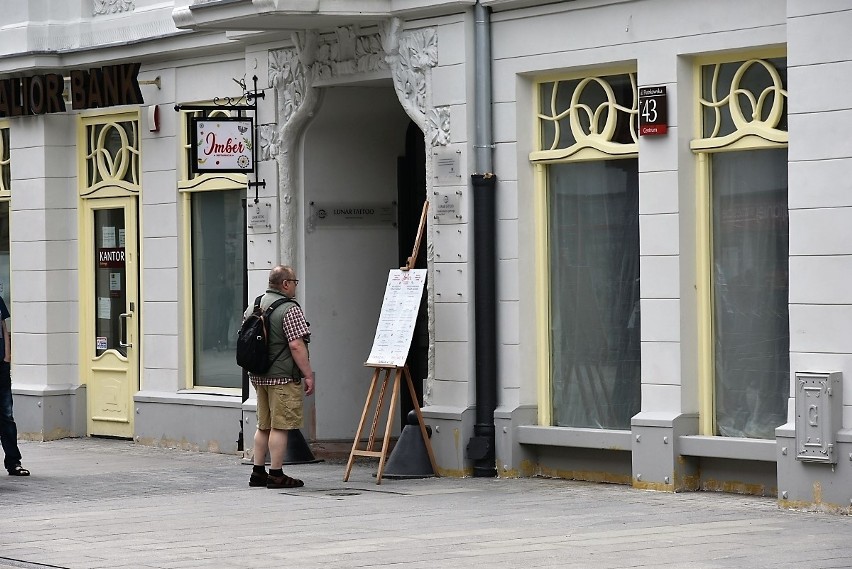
point(8, 429)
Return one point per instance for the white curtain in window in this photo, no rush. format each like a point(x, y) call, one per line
point(218, 269)
point(594, 299)
point(750, 292)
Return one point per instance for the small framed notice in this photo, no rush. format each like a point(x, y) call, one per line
point(447, 166)
point(448, 207)
point(108, 237)
point(653, 111)
point(104, 308)
point(396, 321)
point(259, 217)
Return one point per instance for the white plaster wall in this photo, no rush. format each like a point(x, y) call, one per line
point(453, 386)
point(163, 269)
point(159, 229)
point(44, 25)
point(350, 153)
point(659, 37)
point(820, 182)
point(43, 235)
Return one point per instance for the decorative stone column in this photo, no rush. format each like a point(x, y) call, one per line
point(290, 74)
point(411, 56)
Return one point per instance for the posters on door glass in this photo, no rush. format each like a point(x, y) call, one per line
point(104, 308)
point(396, 321)
point(108, 238)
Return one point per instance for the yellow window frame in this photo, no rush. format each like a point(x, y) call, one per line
point(93, 156)
point(112, 170)
point(590, 146)
point(188, 184)
point(749, 136)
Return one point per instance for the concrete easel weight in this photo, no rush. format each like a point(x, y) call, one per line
point(409, 458)
point(298, 451)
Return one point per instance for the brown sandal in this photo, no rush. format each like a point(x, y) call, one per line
point(283, 482)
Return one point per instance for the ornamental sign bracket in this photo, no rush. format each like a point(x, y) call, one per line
point(226, 143)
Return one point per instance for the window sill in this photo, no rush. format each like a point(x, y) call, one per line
point(728, 447)
point(189, 398)
point(574, 437)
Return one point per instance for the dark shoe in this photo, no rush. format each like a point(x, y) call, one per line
point(18, 470)
point(283, 482)
point(258, 479)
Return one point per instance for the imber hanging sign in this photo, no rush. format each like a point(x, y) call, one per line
point(106, 86)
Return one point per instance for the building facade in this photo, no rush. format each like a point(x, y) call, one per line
point(647, 287)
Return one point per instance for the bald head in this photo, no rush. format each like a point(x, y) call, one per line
point(279, 274)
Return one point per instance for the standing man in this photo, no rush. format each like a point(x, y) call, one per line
point(279, 391)
point(8, 428)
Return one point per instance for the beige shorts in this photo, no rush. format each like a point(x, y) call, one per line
point(279, 406)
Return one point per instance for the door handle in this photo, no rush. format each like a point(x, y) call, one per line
point(122, 319)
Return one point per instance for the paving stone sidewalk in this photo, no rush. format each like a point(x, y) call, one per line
point(94, 503)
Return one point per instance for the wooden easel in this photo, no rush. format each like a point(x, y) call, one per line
point(385, 372)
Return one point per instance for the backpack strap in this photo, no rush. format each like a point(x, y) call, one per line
point(266, 318)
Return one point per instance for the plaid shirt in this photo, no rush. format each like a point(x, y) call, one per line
point(295, 327)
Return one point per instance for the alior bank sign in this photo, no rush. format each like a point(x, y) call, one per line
point(107, 86)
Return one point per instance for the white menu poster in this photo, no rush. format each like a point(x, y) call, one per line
point(396, 321)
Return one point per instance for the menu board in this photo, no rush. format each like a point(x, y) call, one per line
point(396, 321)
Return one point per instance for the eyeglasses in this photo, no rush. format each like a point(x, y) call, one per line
point(294, 281)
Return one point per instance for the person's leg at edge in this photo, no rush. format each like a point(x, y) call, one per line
point(261, 446)
point(277, 448)
point(261, 438)
point(282, 407)
point(8, 428)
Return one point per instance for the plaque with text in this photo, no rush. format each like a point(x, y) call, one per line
point(447, 207)
point(340, 214)
point(653, 111)
point(259, 217)
point(447, 164)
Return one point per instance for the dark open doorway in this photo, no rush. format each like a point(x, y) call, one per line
point(411, 185)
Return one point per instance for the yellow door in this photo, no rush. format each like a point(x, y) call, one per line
point(111, 331)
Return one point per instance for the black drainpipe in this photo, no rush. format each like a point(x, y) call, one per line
point(481, 447)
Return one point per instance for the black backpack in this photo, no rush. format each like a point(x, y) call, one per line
point(253, 339)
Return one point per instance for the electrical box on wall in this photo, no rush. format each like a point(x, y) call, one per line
point(818, 415)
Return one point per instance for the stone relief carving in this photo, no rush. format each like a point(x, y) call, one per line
point(369, 55)
point(287, 75)
point(290, 74)
point(438, 126)
point(411, 56)
point(112, 6)
point(269, 140)
point(346, 52)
